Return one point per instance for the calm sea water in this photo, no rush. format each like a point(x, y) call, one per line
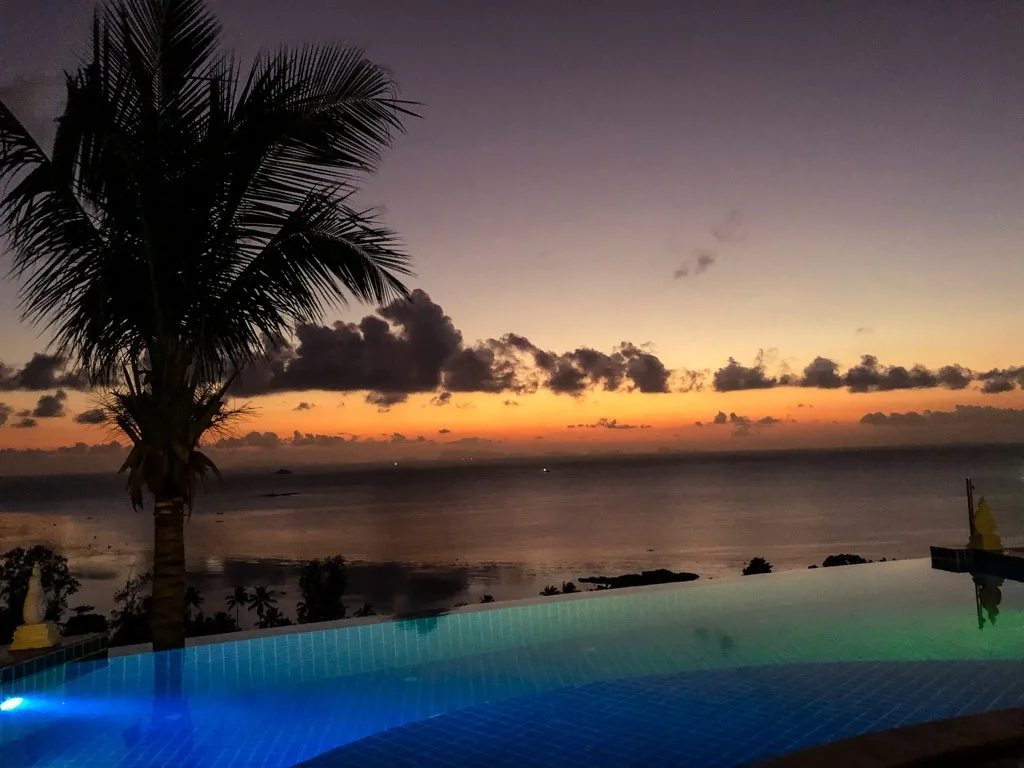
point(430, 537)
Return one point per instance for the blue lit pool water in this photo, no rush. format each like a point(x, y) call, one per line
point(711, 673)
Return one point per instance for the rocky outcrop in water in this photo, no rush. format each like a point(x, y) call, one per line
point(642, 579)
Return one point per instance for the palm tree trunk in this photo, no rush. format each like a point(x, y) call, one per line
point(168, 574)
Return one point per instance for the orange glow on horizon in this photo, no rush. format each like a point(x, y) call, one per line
point(667, 419)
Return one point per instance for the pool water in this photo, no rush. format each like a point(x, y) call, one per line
point(718, 672)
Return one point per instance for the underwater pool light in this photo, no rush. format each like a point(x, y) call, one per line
point(8, 704)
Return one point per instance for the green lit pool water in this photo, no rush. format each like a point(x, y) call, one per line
point(279, 700)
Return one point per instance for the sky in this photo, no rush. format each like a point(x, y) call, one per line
point(771, 183)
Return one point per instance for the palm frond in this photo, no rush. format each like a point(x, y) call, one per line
point(322, 252)
point(187, 213)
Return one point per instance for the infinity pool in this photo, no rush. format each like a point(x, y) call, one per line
point(712, 673)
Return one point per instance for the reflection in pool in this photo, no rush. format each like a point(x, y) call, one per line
point(830, 652)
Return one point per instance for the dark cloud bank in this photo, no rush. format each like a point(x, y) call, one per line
point(414, 347)
point(411, 347)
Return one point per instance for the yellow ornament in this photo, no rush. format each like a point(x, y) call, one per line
point(985, 535)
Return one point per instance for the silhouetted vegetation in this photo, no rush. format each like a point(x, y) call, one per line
point(366, 610)
point(15, 570)
point(845, 559)
point(264, 602)
point(237, 600)
point(569, 588)
point(549, 590)
point(273, 617)
point(322, 584)
point(85, 622)
point(201, 625)
point(190, 211)
point(130, 623)
point(644, 578)
point(487, 599)
point(757, 565)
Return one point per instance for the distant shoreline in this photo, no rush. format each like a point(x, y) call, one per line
point(538, 461)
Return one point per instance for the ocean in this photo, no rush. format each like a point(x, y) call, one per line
point(428, 537)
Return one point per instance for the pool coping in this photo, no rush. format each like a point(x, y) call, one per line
point(949, 742)
point(323, 626)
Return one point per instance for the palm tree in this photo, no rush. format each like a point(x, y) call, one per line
point(188, 215)
point(239, 598)
point(263, 598)
point(193, 599)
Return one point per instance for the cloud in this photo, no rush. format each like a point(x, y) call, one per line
point(385, 401)
point(705, 259)
point(822, 373)
point(304, 406)
point(1000, 380)
point(511, 402)
point(603, 423)
point(702, 262)
point(444, 431)
point(25, 422)
point(260, 440)
point(734, 377)
point(681, 271)
point(962, 415)
point(730, 230)
point(864, 331)
point(51, 406)
point(412, 346)
point(5, 413)
point(41, 372)
point(742, 425)
point(93, 416)
point(867, 376)
point(397, 437)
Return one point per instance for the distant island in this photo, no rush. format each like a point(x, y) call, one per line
point(283, 472)
point(274, 494)
point(642, 579)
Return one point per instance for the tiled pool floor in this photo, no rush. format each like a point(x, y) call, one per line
point(724, 717)
point(712, 674)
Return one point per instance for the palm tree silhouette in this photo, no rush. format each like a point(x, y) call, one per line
point(188, 216)
point(193, 599)
point(263, 598)
point(239, 598)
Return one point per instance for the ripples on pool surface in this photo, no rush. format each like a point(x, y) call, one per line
point(276, 701)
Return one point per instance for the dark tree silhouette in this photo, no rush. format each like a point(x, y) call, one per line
point(757, 565)
point(187, 215)
point(193, 600)
point(844, 559)
point(85, 622)
point(130, 622)
point(322, 584)
point(550, 590)
point(487, 599)
point(263, 599)
point(274, 618)
point(15, 571)
point(238, 599)
point(220, 623)
point(569, 588)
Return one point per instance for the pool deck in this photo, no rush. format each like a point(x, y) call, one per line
point(979, 740)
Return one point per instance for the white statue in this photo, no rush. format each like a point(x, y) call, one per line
point(36, 633)
point(34, 611)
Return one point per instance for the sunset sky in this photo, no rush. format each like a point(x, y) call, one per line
point(814, 180)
